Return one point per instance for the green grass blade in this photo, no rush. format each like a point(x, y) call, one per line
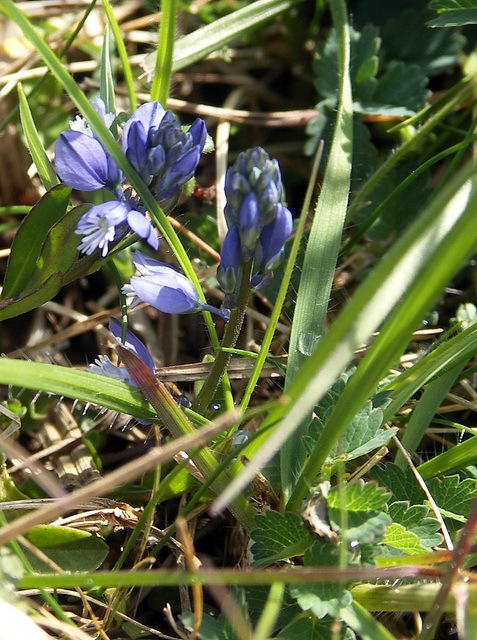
point(323, 244)
point(46, 173)
point(80, 385)
point(402, 287)
point(123, 54)
point(425, 411)
point(199, 44)
point(165, 51)
point(106, 86)
point(438, 362)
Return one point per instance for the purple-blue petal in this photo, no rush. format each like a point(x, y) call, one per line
point(82, 162)
point(273, 238)
point(132, 343)
point(143, 227)
point(148, 115)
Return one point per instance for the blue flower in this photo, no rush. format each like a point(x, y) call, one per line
point(154, 143)
point(83, 164)
point(164, 288)
point(103, 365)
point(106, 222)
point(164, 155)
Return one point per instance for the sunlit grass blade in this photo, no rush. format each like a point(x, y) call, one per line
point(452, 461)
point(46, 173)
point(323, 245)
point(106, 87)
point(402, 287)
point(199, 44)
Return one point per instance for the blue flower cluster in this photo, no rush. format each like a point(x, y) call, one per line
point(164, 155)
point(258, 222)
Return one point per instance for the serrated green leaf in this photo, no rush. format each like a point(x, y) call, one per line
point(400, 482)
point(71, 549)
point(278, 536)
point(454, 497)
point(434, 51)
point(30, 238)
point(359, 496)
point(363, 502)
point(400, 91)
point(322, 598)
point(398, 537)
point(417, 520)
point(257, 597)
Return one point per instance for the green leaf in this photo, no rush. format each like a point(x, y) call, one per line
point(400, 91)
point(46, 173)
point(365, 519)
point(60, 250)
point(17, 305)
point(418, 520)
point(434, 50)
point(322, 598)
point(454, 497)
point(398, 537)
point(200, 43)
point(210, 627)
point(30, 237)
point(278, 536)
point(72, 550)
point(322, 248)
point(454, 13)
point(401, 482)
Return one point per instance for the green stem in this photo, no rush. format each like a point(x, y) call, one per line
point(229, 340)
point(165, 50)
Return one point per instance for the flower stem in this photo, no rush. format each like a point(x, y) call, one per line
point(229, 340)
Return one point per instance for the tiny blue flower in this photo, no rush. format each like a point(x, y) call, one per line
point(103, 365)
point(100, 225)
point(164, 288)
point(106, 222)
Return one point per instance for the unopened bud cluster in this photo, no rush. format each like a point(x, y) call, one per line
point(258, 222)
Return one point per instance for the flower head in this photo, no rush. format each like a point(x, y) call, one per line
point(105, 367)
point(259, 223)
point(164, 288)
point(154, 143)
point(163, 153)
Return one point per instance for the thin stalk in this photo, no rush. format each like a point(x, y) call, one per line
point(123, 54)
point(165, 51)
point(229, 340)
